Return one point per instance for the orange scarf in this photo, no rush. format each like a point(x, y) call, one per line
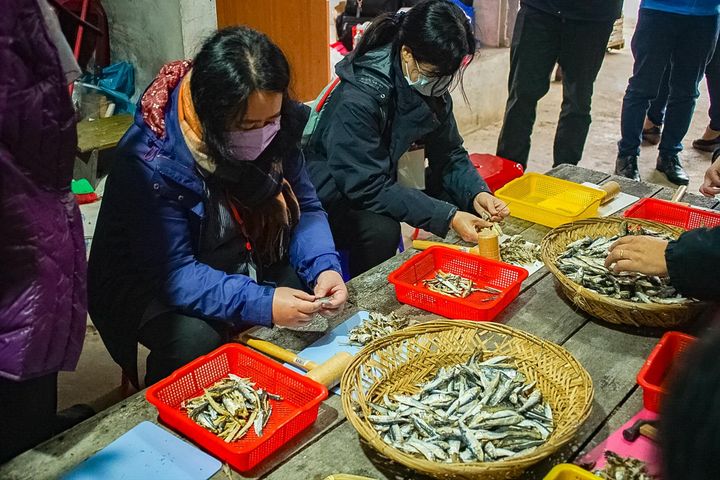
point(191, 128)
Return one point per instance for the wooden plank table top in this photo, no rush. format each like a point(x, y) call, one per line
point(611, 354)
point(102, 133)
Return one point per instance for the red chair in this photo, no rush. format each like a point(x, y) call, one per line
point(496, 171)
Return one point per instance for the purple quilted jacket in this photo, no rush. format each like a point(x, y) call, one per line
point(42, 252)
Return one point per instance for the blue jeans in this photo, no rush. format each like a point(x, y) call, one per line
point(656, 113)
point(683, 43)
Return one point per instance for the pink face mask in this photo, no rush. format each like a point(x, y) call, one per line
point(247, 145)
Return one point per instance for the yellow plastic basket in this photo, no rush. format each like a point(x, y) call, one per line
point(550, 201)
point(566, 471)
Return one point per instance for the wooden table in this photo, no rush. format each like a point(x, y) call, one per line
point(612, 355)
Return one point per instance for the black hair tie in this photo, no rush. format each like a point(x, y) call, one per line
point(399, 17)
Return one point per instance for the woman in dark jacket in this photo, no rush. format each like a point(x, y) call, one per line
point(365, 155)
point(209, 221)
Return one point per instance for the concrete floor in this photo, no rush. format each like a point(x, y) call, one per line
point(97, 377)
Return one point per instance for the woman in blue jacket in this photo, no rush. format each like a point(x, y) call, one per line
point(209, 221)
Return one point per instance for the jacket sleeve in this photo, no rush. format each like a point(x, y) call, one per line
point(691, 262)
point(361, 167)
point(164, 245)
point(312, 250)
point(446, 155)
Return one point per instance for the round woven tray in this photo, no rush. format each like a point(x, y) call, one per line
point(606, 308)
point(396, 364)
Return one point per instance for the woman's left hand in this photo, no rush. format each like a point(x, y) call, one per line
point(330, 284)
point(494, 206)
point(641, 253)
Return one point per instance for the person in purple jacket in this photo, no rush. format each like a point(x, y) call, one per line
point(209, 221)
point(42, 250)
point(679, 35)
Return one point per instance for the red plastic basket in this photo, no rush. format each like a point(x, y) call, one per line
point(654, 372)
point(297, 411)
point(483, 271)
point(496, 171)
point(675, 214)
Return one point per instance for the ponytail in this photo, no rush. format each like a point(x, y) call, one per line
point(384, 29)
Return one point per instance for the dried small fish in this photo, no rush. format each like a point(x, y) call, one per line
point(477, 411)
point(583, 262)
point(518, 251)
point(623, 468)
point(495, 225)
point(376, 326)
point(230, 407)
point(457, 286)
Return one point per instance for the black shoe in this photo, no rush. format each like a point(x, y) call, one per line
point(671, 166)
point(706, 145)
point(627, 166)
point(651, 135)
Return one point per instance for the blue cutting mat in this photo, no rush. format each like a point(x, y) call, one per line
point(147, 451)
point(333, 342)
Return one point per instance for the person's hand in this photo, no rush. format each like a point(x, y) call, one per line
point(467, 225)
point(293, 308)
point(495, 207)
point(331, 288)
point(642, 254)
point(711, 184)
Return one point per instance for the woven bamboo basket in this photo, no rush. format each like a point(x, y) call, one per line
point(396, 364)
point(605, 308)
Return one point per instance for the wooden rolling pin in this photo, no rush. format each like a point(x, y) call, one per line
point(612, 189)
point(423, 244)
point(327, 373)
point(280, 353)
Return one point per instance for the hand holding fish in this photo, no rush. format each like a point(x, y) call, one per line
point(330, 290)
point(293, 308)
point(493, 206)
point(641, 253)
point(711, 184)
point(467, 225)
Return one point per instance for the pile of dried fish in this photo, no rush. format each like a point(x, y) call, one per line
point(479, 411)
point(456, 286)
point(623, 468)
point(584, 263)
point(230, 407)
point(376, 326)
point(518, 251)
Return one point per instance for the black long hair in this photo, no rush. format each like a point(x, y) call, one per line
point(690, 417)
point(436, 31)
point(232, 63)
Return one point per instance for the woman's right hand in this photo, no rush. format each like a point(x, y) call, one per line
point(711, 183)
point(467, 225)
point(293, 308)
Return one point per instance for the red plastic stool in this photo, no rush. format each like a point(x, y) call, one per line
point(496, 171)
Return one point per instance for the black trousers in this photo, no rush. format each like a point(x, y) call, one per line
point(369, 238)
point(539, 41)
point(175, 339)
point(30, 414)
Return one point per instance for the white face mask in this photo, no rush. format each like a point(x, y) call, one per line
point(428, 86)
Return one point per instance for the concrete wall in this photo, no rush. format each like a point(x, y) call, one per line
point(494, 21)
point(149, 33)
point(485, 83)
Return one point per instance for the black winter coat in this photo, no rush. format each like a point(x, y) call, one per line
point(370, 120)
point(691, 262)
point(584, 10)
